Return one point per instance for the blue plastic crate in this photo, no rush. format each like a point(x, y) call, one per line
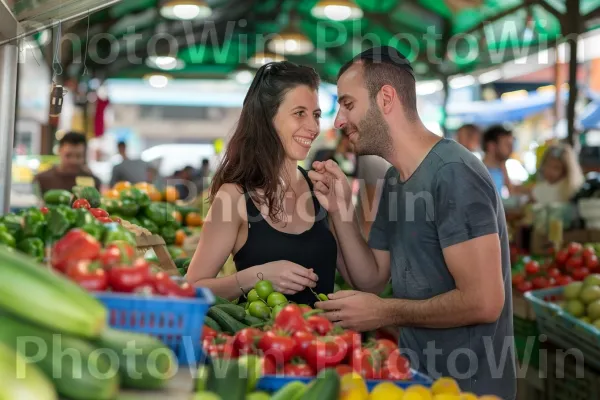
point(177, 322)
point(562, 328)
point(272, 383)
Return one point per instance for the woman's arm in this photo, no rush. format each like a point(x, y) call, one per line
point(217, 242)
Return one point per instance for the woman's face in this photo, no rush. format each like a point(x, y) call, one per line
point(297, 121)
point(553, 170)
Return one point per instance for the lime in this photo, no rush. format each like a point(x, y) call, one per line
point(323, 297)
point(264, 289)
point(259, 309)
point(275, 299)
point(252, 296)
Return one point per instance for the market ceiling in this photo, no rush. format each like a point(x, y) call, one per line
point(441, 37)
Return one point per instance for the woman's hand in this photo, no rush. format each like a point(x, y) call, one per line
point(287, 277)
point(331, 186)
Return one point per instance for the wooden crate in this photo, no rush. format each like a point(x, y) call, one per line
point(157, 243)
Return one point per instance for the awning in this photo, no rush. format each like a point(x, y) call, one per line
point(503, 110)
point(590, 117)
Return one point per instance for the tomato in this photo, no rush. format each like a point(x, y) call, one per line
point(367, 363)
point(325, 352)
point(532, 267)
point(105, 220)
point(278, 346)
point(44, 210)
point(562, 256)
point(592, 262)
point(208, 332)
point(82, 203)
point(396, 367)
point(110, 256)
point(220, 346)
point(302, 339)
point(126, 278)
point(574, 262)
point(88, 275)
point(580, 274)
point(551, 282)
point(553, 272)
point(385, 347)
point(319, 324)
point(563, 280)
point(587, 252)
point(517, 278)
point(98, 212)
point(164, 285)
point(291, 319)
point(540, 282)
point(263, 289)
point(574, 248)
point(298, 367)
point(268, 366)
point(343, 369)
point(246, 340)
point(525, 287)
point(352, 339)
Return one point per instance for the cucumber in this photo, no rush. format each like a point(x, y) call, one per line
point(236, 312)
point(252, 320)
point(208, 321)
point(149, 367)
point(325, 387)
point(227, 379)
point(259, 396)
point(290, 391)
point(220, 300)
point(225, 321)
point(78, 370)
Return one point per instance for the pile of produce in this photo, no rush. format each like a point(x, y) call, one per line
point(57, 317)
point(572, 263)
point(582, 300)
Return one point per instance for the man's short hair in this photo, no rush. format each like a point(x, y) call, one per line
point(385, 65)
point(469, 127)
point(493, 134)
point(122, 144)
point(72, 138)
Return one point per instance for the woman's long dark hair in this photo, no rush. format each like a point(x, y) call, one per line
point(255, 155)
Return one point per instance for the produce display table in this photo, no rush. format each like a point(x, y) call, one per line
point(179, 388)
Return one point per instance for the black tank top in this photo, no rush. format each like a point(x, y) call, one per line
point(314, 248)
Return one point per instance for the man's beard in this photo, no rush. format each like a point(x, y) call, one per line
point(373, 134)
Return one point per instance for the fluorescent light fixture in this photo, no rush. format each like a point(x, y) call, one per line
point(294, 43)
point(166, 63)
point(336, 10)
point(158, 81)
point(185, 9)
point(490, 76)
point(260, 59)
point(244, 77)
point(429, 87)
point(462, 81)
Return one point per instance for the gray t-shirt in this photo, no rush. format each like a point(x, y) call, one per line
point(449, 199)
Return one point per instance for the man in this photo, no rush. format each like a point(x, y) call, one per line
point(497, 147)
point(72, 169)
point(439, 234)
point(371, 178)
point(469, 136)
point(133, 171)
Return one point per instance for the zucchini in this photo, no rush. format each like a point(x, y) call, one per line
point(235, 311)
point(325, 387)
point(220, 300)
point(227, 379)
point(290, 391)
point(22, 380)
point(149, 367)
point(226, 322)
point(211, 323)
point(34, 293)
point(252, 320)
point(78, 370)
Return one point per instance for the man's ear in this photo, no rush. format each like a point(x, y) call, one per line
point(387, 96)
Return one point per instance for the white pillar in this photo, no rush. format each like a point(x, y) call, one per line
point(8, 92)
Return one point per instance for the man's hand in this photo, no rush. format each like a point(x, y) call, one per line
point(331, 186)
point(355, 310)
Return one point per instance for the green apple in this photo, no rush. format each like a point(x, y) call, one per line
point(592, 280)
point(593, 310)
point(572, 290)
point(576, 308)
point(589, 294)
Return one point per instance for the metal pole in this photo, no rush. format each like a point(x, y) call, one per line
point(573, 17)
point(8, 93)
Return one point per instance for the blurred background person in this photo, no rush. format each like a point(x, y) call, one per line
point(184, 183)
point(202, 176)
point(129, 170)
point(71, 170)
point(469, 136)
point(343, 154)
point(497, 147)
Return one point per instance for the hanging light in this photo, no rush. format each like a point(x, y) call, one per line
point(291, 40)
point(243, 76)
point(166, 63)
point(337, 10)
point(158, 81)
point(185, 9)
point(260, 59)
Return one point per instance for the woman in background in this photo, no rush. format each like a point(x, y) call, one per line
point(560, 176)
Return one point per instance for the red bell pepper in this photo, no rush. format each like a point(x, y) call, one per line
point(320, 325)
point(325, 352)
point(166, 286)
point(89, 275)
point(291, 319)
point(208, 332)
point(246, 341)
point(82, 203)
point(126, 278)
point(298, 367)
point(75, 246)
point(117, 252)
point(98, 212)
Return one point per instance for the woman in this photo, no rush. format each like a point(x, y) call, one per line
point(263, 209)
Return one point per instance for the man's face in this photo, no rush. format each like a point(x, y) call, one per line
point(359, 117)
point(504, 147)
point(72, 156)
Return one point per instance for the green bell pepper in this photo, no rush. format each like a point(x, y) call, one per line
point(115, 232)
point(33, 247)
point(147, 223)
point(3, 228)
point(34, 230)
point(95, 229)
point(137, 196)
point(161, 214)
point(84, 217)
point(175, 252)
point(57, 225)
point(69, 213)
point(33, 215)
point(7, 239)
point(111, 206)
point(129, 208)
point(14, 224)
point(56, 197)
point(168, 234)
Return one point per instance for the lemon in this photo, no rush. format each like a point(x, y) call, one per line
point(414, 396)
point(385, 391)
point(468, 396)
point(446, 396)
point(353, 387)
point(489, 397)
point(422, 391)
point(445, 386)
